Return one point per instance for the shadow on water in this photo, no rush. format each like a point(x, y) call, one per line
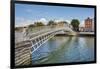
point(59, 55)
point(64, 49)
point(51, 50)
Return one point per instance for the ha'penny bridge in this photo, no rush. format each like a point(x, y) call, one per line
point(26, 45)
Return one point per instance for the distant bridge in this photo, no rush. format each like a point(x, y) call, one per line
point(26, 45)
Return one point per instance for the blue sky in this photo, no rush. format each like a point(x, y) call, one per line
point(26, 14)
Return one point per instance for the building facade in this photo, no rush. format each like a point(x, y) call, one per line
point(89, 25)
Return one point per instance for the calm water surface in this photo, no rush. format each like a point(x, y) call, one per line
point(61, 49)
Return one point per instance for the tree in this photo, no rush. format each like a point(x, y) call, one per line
point(18, 28)
point(31, 26)
point(65, 22)
point(38, 24)
point(75, 23)
point(51, 22)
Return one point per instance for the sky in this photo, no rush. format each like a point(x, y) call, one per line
point(27, 14)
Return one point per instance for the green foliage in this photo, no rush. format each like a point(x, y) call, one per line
point(75, 23)
point(18, 28)
point(51, 22)
point(65, 22)
point(38, 24)
point(31, 26)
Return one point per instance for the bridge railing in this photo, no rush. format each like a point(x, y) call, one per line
point(43, 29)
point(35, 31)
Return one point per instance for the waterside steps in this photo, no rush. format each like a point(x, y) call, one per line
point(22, 53)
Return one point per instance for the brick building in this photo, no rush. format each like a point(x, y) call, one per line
point(89, 25)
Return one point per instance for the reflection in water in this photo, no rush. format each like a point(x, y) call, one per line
point(65, 49)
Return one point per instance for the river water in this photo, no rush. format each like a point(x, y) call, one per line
point(62, 49)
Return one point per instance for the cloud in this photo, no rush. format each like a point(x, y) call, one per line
point(82, 23)
point(25, 23)
point(43, 20)
point(22, 22)
point(19, 22)
point(58, 20)
point(68, 21)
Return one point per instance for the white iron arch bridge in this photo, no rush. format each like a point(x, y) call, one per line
point(35, 39)
point(39, 38)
